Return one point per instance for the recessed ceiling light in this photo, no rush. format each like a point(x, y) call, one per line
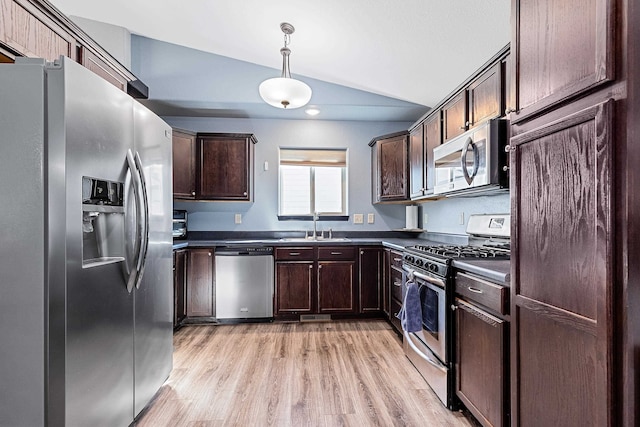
point(312, 111)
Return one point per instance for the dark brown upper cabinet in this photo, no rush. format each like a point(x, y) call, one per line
point(416, 162)
point(481, 100)
point(422, 140)
point(454, 116)
point(485, 96)
point(225, 166)
point(560, 50)
point(25, 30)
point(184, 165)
point(390, 167)
point(36, 29)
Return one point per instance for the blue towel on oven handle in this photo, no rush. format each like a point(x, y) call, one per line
point(410, 314)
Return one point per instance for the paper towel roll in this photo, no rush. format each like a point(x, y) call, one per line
point(411, 217)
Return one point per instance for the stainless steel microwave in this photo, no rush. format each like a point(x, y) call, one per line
point(475, 161)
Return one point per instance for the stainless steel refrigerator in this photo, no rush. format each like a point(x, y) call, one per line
point(85, 248)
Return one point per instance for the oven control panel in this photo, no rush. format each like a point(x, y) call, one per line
point(425, 265)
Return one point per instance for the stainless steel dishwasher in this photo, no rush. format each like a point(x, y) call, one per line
point(244, 283)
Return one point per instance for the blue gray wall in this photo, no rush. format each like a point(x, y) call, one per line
point(272, 134)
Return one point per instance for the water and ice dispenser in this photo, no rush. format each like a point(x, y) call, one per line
point(103, 222)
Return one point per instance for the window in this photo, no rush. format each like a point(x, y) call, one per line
point(312, 180)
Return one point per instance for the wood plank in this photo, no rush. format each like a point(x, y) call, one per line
point(293, 374)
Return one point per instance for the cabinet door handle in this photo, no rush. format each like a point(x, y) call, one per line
point(209, 253)
point(319, 267)
point(475, 290)
point(244, 194)
point(398, 284)
point(337, 253)
point(193, 193)
point(310, 267)
point(397, 259)
point(294, 253)
point(361, 252)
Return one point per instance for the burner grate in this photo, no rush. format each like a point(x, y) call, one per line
point(464, 251)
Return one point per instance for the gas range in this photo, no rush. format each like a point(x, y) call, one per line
point(489, 238)
point(429, 268)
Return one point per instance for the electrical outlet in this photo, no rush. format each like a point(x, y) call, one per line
point(371, 218)
point(238, 218)
point(461, 220)
point(425, 219)
point(358, 218)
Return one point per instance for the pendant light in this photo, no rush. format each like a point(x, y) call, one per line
point(284, 91)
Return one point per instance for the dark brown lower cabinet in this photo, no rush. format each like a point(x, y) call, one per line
point(370, 279)
point(200, 290)
point(482, 357)
point(315, 280)
point(562, 286)
point(294, 282)
point(393, 283)
point(336, 287)
point(337, 280)
point(179, 286)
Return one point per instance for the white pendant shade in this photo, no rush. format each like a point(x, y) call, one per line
point(285, 92)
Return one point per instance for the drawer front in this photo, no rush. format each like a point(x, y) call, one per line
point(337, 252)
point(396, 284)
point(490, 295)
point(396, 259)
point(294, 254)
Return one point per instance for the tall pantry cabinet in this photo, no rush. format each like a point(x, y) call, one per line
point(575, 293)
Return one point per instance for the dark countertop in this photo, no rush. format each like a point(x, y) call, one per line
point(498, 271)
point(393, 243)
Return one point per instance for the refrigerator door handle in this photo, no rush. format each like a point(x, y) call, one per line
point(132, 273)
point(144, 201)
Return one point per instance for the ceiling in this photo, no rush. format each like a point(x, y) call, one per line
point(364, 59)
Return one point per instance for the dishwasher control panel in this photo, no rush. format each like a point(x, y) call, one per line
point(244, 250)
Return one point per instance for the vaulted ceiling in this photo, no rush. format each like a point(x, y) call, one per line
point(364, 59)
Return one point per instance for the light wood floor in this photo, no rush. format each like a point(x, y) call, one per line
point(294, 374)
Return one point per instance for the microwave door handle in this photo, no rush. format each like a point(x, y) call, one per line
point(463, 160)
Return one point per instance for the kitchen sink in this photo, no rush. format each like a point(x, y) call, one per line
point(317, 240)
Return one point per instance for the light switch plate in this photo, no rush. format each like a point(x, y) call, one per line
point(358, 218)
point(238, 218)
point(371, 218)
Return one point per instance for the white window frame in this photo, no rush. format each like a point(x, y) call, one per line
point(343, 215)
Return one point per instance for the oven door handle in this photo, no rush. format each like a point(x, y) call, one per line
point(463, 160)
point(429, 360)
point(430, 279)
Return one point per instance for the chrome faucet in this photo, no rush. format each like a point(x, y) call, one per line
point(315, 232)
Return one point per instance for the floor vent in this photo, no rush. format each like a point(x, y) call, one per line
point(315, 317)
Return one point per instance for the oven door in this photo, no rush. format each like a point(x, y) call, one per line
point(434, 321)
point(426, 349)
